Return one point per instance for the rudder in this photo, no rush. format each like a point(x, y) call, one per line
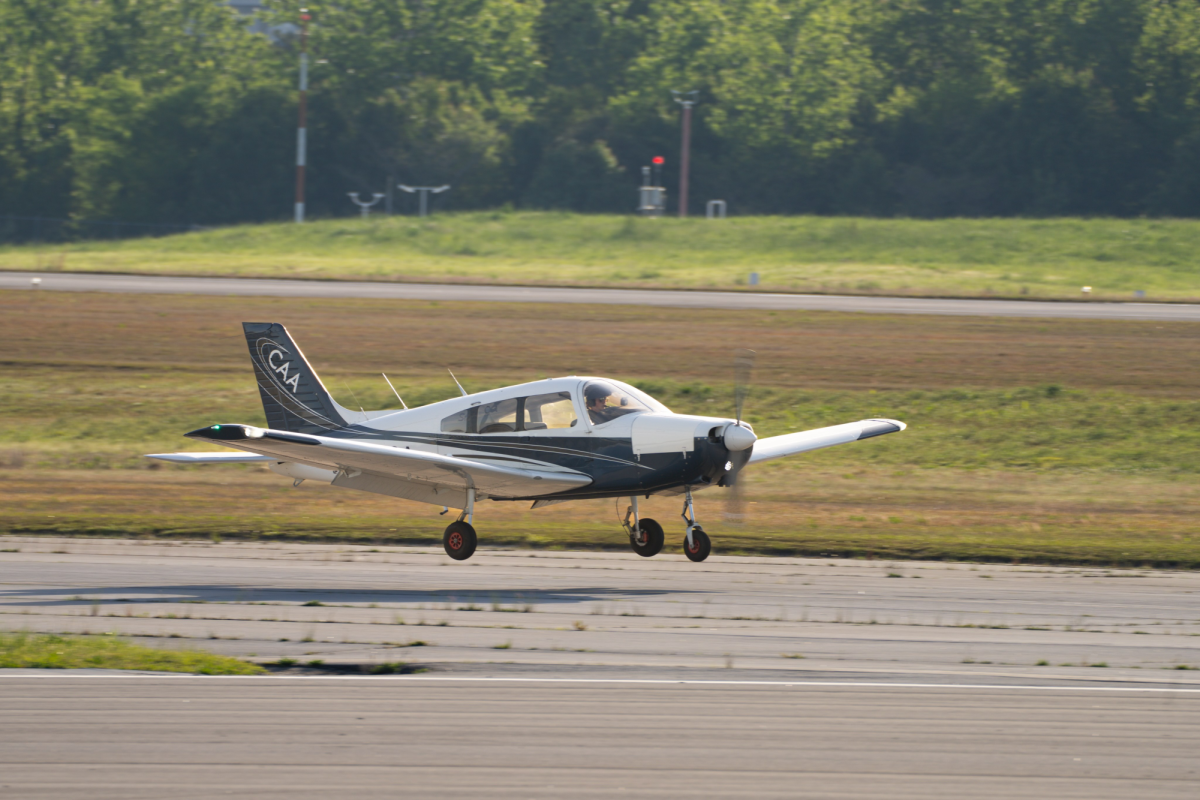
point(293, 397)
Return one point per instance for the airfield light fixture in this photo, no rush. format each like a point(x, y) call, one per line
point(424, 194)
point(365, 205)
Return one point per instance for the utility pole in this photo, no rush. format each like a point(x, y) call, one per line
point(302, 126)
point(687, 100)
point(424, 194)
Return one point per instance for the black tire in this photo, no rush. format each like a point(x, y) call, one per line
point(701, 546)
point(654, 539)
point(459, 540)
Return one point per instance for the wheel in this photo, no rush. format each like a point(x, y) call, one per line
point(700, 547)
point(459, 540)
point(652, 538)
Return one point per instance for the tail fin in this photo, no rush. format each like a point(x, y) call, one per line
point(293, 396)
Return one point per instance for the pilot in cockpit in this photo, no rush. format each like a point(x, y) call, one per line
point(595, 399)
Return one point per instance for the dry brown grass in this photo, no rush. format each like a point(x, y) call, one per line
point(95, 380)
point(490, 343)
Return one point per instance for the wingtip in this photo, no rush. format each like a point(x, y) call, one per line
point(880, 427)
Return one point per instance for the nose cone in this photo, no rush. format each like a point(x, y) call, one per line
point(738, 438)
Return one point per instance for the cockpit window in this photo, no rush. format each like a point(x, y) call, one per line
point(606, 401)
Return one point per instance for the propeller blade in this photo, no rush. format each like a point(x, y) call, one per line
point(735, 503)
point(743, 368)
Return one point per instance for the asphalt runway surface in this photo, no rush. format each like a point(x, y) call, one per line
point(148, 284)
point(556, 674)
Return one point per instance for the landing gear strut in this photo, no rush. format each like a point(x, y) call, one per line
point(645, 535)
point(459, 538)
point(696, 544)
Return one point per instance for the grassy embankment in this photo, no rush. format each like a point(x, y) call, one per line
point(958, 257)
point(1059, 441)
point(46, 651)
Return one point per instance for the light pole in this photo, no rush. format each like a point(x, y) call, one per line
point(687, 100)
point(424, 191)
point(301, 128)
point(365, 205)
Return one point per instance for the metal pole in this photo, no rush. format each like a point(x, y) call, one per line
point(423, 192)
point(687, 100)
point(302, 126)
point(685, 161)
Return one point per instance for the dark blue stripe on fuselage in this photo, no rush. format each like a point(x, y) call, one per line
point(610, 462)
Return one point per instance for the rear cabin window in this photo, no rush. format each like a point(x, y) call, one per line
point(498, 417)
point(462, 422)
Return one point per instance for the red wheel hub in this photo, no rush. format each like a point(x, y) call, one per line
point(456, 541)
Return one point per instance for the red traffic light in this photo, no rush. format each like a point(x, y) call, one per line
point(657, 160)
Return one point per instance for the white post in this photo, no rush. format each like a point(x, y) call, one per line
point(715, 209)
point(302, 125)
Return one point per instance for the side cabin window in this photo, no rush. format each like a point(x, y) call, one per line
point(537, 413)
point(549, 411)
point(498, 417)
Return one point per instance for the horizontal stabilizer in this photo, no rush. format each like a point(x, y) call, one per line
point(792, 443)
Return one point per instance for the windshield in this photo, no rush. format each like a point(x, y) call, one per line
point(608, 400)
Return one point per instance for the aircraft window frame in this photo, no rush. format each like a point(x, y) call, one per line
point(468, 420)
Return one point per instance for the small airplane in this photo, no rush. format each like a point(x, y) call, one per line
point(550, 441)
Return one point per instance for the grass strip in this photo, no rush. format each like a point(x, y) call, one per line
point(1039, 258)
point(48, 651)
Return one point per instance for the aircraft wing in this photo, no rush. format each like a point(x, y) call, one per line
point(390, 461)
point(792, 443)
point(211, 458)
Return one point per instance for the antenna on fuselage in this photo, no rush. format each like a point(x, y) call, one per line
point(398, 397)
point(456, 383)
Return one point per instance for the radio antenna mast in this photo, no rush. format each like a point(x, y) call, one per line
point(398, 397)
point(456, 383)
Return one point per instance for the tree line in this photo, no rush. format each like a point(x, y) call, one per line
point(182, 111)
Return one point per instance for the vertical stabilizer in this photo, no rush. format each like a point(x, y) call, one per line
point(293, 396)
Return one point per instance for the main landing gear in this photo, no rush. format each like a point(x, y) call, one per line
point(460, 539)
point(696, 544)
point(646, 536)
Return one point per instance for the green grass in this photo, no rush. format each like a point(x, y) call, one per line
point(77, 418)
point(40, 651)
point(955, 257)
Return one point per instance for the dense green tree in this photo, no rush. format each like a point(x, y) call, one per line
point(181, 111)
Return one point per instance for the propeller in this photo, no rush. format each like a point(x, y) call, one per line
point(743, 368)
point(739, 441)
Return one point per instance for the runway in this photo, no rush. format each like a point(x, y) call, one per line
point(556, 674)
point(146, 284)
